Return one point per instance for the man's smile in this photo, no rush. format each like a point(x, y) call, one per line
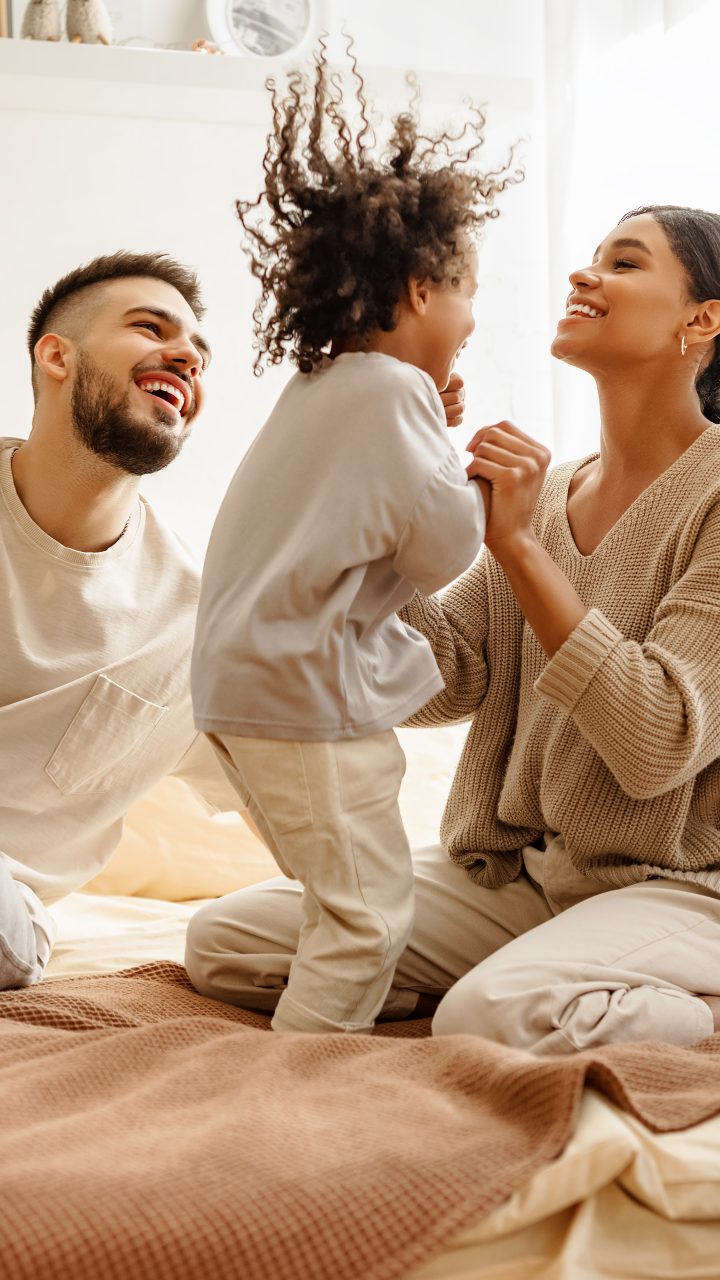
point(168, 387)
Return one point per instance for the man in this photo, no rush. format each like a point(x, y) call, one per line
point(100, 597)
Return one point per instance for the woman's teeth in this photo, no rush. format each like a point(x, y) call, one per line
point(583, 310)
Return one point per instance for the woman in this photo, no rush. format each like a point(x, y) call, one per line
point(580, 903)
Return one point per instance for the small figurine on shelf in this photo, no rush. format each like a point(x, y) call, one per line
point(41, 21)
point(88, 22)
point(204, 46)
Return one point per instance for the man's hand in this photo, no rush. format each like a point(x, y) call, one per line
point(453, 398)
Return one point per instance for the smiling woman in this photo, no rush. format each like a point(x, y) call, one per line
point(583, 646)
point(646, 281)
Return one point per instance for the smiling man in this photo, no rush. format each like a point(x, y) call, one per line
point(100, 597)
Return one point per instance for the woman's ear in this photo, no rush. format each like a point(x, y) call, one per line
point(705, 323)
point(418, 295)
point(52, 356)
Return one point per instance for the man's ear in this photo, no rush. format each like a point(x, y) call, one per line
point(704, 324)
point(418, 295)
point(53, 355)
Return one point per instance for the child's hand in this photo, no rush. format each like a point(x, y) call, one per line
point(514, 466)
point(453, 398)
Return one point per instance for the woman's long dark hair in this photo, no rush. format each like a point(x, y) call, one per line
point(694, 237)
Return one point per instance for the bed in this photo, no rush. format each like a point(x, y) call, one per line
point(148, 1132)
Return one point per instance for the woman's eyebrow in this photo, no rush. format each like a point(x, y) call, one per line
point(170, 317)
point(624, 242)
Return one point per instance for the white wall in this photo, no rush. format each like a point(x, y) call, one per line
point(95, 182)
point(632, 117)
point(114, 148)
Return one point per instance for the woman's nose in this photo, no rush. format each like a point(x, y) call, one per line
point(585, 277)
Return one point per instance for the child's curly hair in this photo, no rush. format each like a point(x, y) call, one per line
point(346, 231)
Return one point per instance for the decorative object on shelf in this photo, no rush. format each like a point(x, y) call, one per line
point(264, 28)
point(88, 22)
point(204, 46)
point(41, 21)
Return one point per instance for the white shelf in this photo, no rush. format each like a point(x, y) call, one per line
point(112, 80)
point(165, 84)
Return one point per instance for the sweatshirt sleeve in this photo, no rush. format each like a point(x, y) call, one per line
point(456, 627)
point(445, 530)
point(651, 710)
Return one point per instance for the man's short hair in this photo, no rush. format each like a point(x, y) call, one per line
point(58, 302)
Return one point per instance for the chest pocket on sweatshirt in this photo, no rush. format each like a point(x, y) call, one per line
point(97, 751)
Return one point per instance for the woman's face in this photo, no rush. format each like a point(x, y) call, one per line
point(629, 306)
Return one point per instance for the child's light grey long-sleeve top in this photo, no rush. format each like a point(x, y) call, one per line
point(349, 500)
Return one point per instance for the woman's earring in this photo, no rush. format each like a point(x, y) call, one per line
point(683, 345)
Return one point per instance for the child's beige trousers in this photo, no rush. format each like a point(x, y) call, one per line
point(329, 814)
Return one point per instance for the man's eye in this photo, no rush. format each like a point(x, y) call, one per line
point(624, 262)
point(148, 324)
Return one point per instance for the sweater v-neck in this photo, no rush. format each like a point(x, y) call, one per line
point(686, 458)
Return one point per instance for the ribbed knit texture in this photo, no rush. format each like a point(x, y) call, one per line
point(615, 742)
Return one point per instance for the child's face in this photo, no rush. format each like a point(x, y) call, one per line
point(449, 321)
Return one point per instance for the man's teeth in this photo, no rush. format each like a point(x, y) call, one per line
point(583, 310)
point(168, 388)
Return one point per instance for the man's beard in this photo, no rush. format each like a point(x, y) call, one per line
point(105, 423)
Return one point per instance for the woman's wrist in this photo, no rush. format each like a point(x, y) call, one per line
point(516, 549)
point(549, 602)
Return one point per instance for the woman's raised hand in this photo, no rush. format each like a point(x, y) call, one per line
point(514, 466)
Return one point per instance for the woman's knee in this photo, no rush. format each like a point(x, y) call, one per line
point(468, 1008)
point(552, 1009)
point(499, 1003)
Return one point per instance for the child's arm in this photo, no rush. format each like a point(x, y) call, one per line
point(444, 531)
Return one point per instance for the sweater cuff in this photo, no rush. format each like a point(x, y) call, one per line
point(569, 672)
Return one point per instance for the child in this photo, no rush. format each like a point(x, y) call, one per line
point(350, 499)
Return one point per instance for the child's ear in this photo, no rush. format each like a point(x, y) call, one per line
point(418, 295)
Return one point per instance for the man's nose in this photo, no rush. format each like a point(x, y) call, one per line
point(186, 357)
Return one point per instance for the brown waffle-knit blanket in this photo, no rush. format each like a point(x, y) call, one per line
point(147, 1133)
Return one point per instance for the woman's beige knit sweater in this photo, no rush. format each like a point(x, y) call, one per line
point(614, 743)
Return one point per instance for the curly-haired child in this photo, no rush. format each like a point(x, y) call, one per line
point(350, 500)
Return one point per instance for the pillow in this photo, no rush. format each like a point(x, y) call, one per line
point(172, 848)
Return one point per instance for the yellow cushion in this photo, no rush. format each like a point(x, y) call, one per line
point(171, 848)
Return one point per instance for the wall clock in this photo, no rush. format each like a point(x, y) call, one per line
point(265, 28)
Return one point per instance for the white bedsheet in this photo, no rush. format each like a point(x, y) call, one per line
point(621, 1202)
point(100, 934)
